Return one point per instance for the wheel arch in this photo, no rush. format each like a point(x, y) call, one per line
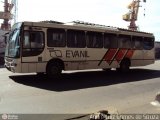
point(56, 60)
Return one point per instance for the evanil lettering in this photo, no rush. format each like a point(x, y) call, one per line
point(76, 54)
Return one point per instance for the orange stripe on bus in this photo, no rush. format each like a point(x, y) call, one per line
point(120, 55)
point(129, 54)
point(110, 54)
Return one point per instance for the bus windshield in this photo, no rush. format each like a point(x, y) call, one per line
point(13, 45)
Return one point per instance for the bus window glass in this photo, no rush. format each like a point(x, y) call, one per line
point(13, 50)
point(56, 37)
point(124, 41)
point(148, 43)
point(137, 42)
point(110, 41)
point(76, 39)
point(36, 39)
point(26, 43)
point(94, 40)
point(33, 43)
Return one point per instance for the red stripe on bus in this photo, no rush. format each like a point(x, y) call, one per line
point(120, 55)
point(110, 54)
point(129, 54)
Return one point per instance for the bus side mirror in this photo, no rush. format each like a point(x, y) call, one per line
point(5, 37)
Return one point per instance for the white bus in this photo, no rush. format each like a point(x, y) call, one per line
point(50, 47)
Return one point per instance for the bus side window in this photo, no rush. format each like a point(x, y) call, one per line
point(110, 41)
point(137, 42)
point(26, 42)
point(76, 39)
point(33, 43)
point(36, 40)
point(148, 43)
point(94, 40)
point(56, 37)
point(124, 41)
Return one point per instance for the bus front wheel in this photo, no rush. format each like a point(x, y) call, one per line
point(54, 69)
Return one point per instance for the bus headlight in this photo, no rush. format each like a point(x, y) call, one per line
point(13, 64)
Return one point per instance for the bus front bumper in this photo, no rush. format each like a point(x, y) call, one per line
point(10, 65)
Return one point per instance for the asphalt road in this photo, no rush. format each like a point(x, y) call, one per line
point(81, 92)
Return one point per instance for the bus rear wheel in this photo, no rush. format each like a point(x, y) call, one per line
point(124, 66)
point(107, 69)
point(54, 69)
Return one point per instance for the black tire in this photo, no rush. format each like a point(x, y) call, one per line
point(54, 69)
point(124, 66)
point(40, 74)
point(107, 69)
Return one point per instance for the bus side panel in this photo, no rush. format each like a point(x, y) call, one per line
point(29, 64)
point(29, 67)
point(41, 67)
point(25, 67)
point(137, 58)
point(143, 57)
point(149, 57)
point(73, 58)
point(97, 59)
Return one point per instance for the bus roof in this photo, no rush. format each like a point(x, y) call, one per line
point(80, 25)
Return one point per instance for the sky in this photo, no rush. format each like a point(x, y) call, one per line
point(104, 12)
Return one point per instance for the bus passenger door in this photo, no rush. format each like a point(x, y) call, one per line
point(32, 48)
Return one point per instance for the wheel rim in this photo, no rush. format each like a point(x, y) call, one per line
point(54, 70)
